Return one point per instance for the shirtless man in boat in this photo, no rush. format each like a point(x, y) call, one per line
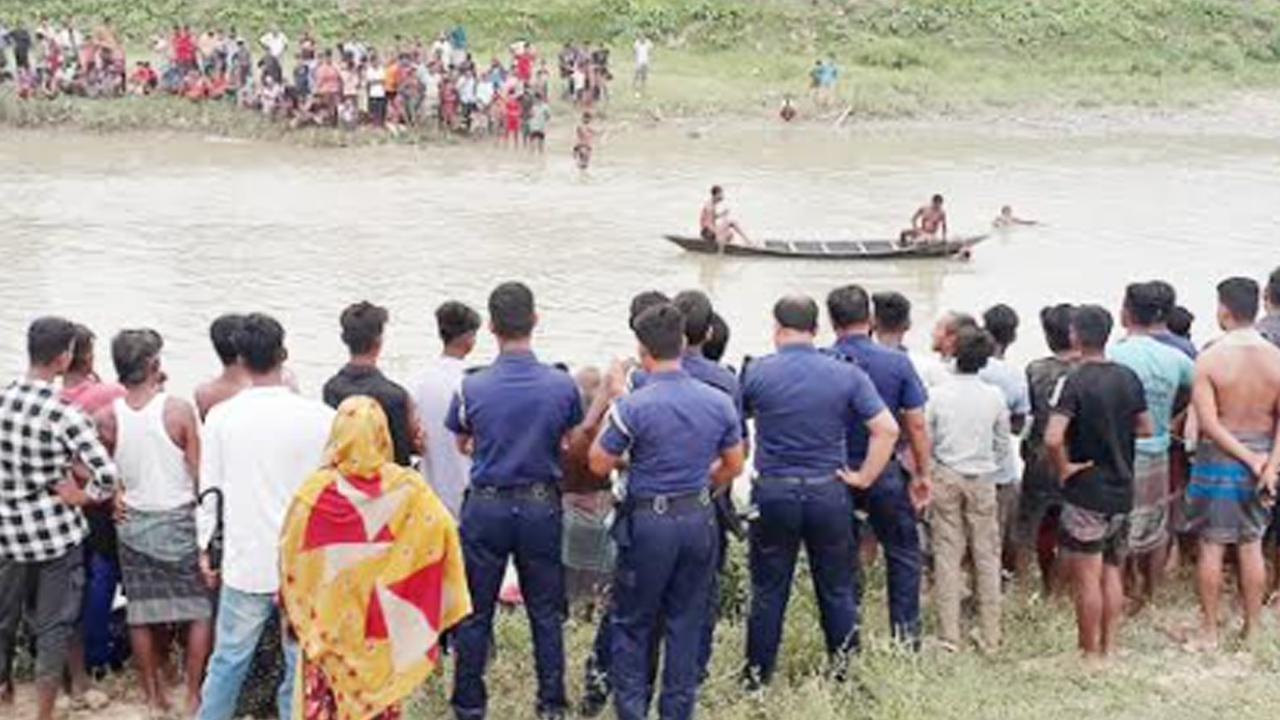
point(714, 223)
point(929, 223)
point(1236, 395)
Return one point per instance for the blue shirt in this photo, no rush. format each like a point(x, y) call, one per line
point(675, 427)
point(1177, 342)
point(1163, 371)
point(894, 377)
point(705, 371)
point(518, 411)
point(804, 403)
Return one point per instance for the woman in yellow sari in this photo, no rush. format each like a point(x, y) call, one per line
point(371, 575)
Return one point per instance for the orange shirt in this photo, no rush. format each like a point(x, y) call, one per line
point(392, 76)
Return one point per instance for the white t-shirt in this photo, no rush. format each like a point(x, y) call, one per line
point(258, 448)
point(375, 81)
point(447, 470)
point(275, 43)
point(643, 49)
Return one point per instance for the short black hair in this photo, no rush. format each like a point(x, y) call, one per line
point(1001, 321)
point(848, 305)
point(797, 312)
point(642, 302)
point(456, 320)
point(1239, 295)
point(49, 337)
point(224, 334)
point(82, 350)
point(717, 340)
point(134, 352)
point(1180, 322)
point(974, 347)
point(511, 310)
point(1056, 322)
point(937, 199)
point(697, 310)
point(1091, 326)
point(261, 343)
point(362, 326)
point(1165, 296)
point(1144, 303)
point(660, 329)
point(1273, 288)
point(892, 311)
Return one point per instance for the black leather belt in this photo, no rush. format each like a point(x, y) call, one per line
point(681, 504)
point(798, 481)
point(544, 492)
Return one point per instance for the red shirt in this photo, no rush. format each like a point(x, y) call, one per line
point(184, 48)
point(524, 66)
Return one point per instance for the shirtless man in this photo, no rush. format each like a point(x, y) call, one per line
point(1006, 219)
point(929, 223)
point(233, 378)
point(714, 223)
point(1236, 395)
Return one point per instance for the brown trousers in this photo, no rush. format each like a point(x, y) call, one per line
point(966, 520)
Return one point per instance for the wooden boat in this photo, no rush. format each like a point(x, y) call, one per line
point(834, 249)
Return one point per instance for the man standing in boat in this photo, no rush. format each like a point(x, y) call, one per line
point(928, 224)
point(715, 224)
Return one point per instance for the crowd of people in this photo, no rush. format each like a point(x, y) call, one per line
point(386, 517)
point(407, 83)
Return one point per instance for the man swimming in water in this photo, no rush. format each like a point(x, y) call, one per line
point(929, 223)
point(714, 222)
point(1006, 219)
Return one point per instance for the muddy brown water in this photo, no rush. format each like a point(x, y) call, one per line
point(169, 231)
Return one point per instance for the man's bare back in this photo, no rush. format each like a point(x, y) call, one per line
point(219, 390)
point(1243, 376)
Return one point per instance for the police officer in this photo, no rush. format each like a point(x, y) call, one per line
point(893, 501)
point(513, 416)
point(804, 402)
point(683, 438)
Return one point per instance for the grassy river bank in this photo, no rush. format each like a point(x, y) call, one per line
point(897, 58)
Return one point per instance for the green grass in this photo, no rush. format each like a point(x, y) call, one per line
point(1037, 674)
point(898, 58)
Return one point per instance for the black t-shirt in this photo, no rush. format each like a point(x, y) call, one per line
point(1103, 400)
point(354, 380)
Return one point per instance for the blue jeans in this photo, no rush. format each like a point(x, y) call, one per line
point(102, 647)
point(530, 531)
point(819, 517)
point(666, 566)
point(893, 520)
point(241, 618)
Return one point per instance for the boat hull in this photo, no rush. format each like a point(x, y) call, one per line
point(832, 249)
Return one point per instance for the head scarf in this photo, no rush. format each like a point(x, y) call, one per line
point(371, 569)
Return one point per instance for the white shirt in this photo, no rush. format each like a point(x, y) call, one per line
point(275, 43)
point(969, 426)
point(643, 48)
point(446, 469)
point(1012, 384)
point(258, 448)
point(153, 469)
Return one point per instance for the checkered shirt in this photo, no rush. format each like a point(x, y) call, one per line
point(40, 436)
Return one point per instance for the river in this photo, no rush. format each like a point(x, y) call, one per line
point(169, 231)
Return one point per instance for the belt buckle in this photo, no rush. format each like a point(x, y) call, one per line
point(540, 492)
point(661, 505)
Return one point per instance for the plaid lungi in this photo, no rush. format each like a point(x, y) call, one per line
point(160, 568)
point(1223, 505)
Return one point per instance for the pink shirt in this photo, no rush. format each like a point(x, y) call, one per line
point(93, 395)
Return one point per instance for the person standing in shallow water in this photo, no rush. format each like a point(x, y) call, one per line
point(1233, 480)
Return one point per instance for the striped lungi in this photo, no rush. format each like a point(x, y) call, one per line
point(1223, 505)
point(1149, 520)
point(160, 568)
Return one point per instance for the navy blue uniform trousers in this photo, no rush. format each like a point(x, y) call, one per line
point(529, 530)
point(666, 564)
point(815, 514)
point(893, 520)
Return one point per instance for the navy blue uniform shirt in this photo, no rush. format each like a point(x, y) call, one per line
point(894, 377)
point(518, 411)
point(703, 370)
point(675, 427)
point(804, 403)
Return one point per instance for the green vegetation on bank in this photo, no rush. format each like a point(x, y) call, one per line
point(898, 58)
